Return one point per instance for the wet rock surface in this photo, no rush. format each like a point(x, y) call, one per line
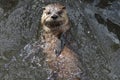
point(95, 26)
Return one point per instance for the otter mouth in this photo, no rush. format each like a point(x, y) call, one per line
point(53, 24)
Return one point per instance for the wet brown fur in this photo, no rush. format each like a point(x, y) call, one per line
point(66, 65)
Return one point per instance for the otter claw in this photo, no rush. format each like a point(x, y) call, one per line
point(57, 53)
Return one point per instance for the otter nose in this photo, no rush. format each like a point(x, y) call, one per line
point(54, 17)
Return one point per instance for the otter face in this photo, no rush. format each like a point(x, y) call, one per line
point(54, 15)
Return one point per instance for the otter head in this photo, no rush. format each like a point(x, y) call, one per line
point(54, 18)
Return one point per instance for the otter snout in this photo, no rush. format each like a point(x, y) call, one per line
point(54, 17)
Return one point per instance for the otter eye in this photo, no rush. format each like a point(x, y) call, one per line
point(43, 8)
point(48, 12)
point(60, 12)
point(64, 7)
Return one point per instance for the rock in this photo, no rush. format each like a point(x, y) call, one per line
point(95, 26)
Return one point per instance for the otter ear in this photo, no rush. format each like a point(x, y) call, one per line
point(63, 7)
point(43, 8)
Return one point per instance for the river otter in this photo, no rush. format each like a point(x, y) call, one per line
point(62, 61)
